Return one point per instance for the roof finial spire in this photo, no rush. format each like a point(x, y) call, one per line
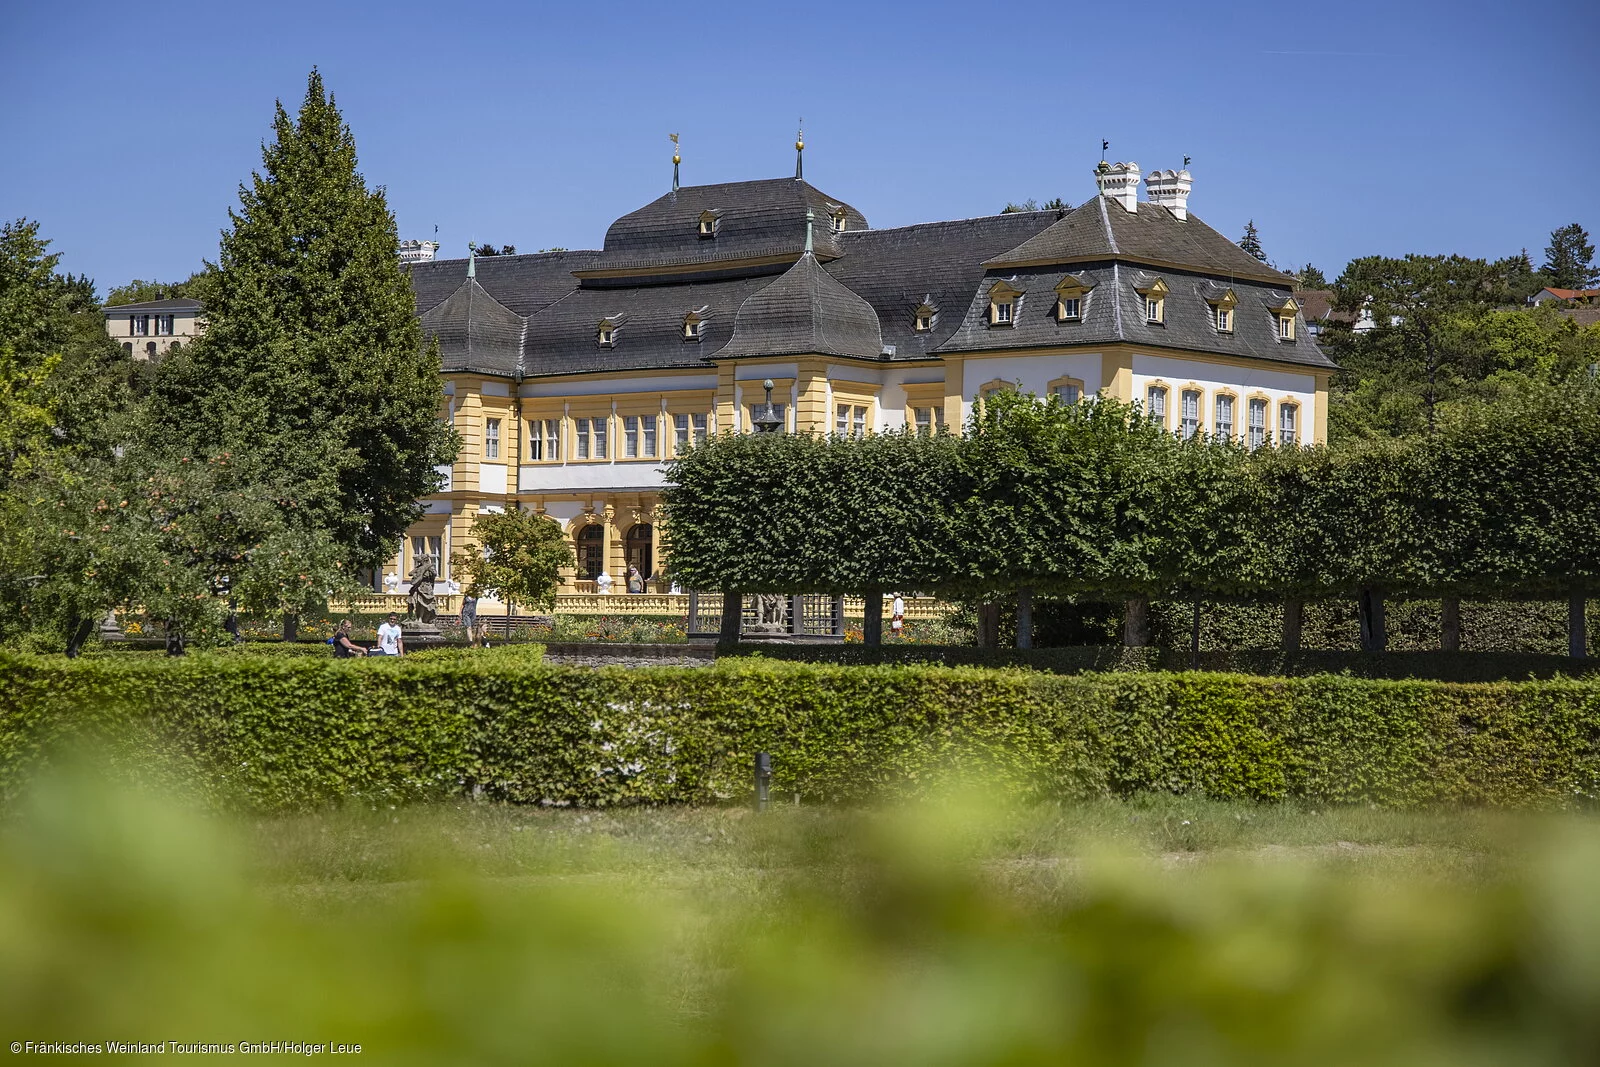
point(800, 150)
point(809, 216)
point(676, 159)
point(472, 261)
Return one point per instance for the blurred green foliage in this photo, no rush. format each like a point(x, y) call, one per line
point(929, 934)
point(273, 733)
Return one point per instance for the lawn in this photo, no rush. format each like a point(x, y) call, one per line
point(1159, 930)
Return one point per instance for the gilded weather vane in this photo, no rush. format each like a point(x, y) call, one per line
point(676, 159)
point(800, 149)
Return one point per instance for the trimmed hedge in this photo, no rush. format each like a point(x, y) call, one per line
point(268, 734)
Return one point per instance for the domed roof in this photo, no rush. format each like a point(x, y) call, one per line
point(806, 311)
point(475, 331)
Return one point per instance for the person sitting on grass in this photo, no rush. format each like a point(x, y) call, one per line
point(343, 647)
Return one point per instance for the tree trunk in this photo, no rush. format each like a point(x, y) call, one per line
point(1025, 617)
point(988, 625)
point(1136, 622)
point(732, 610)
point(872, 617)
point(1374, 628)
point(1294, 620)
point(174, 637)
point(78, 631)
point(291, 627)
point(1194, 638)
point(232, 623)
point(1577, 626)
point(1450, 624)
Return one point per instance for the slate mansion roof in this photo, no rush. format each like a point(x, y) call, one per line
point(729, 271)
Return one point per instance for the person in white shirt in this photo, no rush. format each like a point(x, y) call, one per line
point(390, 639)
point(897, 615)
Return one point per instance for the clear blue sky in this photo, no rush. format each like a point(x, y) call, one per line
point(1341, 129)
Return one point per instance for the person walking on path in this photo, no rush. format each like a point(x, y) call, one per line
point(343, 647)
point(391, 640)
point(469, 618)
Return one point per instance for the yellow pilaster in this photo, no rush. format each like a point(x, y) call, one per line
point(1116, 370)
point(811, 409)
point(1319, 430)
point(616, 565)
point(954, 373)
point(724, 399)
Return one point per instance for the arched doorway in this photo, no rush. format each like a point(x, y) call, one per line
point(639, 549)
point(591, 552)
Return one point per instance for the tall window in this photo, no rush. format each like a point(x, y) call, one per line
point(544, 440)
point(850, 420)
point(590, 436)
point(1222, 318)
point(928, 420)
point(630, 437)
point(1002, 312)
point(687, 428)
point(591, 551)
point(600, 427)
point(491, 439)
point(1288, 417)
point(1191, 413)
point(1258, 423)
point(649, 428)
point(1152, 309)
point(139, 325)
point(432, 547)
point(1069, 393)
point(1224, 419)
point(1155, 398)
point(163, 325)
point(1286, 327)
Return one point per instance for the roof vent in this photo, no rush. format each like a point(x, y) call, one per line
point(1170, 189)
point(889, 350)
point(1119, 182)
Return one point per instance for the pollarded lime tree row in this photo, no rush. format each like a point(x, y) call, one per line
point(1092, 499)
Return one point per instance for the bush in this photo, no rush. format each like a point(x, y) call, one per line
point(268, 734)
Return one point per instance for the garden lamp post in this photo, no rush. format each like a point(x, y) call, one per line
point(766, 418)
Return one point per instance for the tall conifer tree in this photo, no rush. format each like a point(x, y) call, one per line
point(1251, 241)
point(313, 356)
point(1569, 259)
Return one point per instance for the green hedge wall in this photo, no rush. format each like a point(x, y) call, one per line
point(268, 734)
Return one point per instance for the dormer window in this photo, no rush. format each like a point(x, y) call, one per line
point(1070, 297)
point(1003, 301)
point(1222, 306)
point(1283, 318)
point(708, 223)
point(694, 325)
point(608, 334)
point(1154, 296)
point(923, 316)
point(837, 220)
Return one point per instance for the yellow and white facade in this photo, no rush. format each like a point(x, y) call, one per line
point(572, 377)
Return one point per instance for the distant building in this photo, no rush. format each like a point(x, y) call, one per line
point(1575, 296)
point(1317, 307)
point(152, 328)
point(418, 251)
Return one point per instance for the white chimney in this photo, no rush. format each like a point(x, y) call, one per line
point(1170, 189)
point(1120, 182)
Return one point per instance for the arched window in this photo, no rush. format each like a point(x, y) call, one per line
point(150, 350)
point(639, 549)
point(591, 551)
point(127, 348)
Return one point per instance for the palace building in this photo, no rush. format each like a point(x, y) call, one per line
point(572, 376)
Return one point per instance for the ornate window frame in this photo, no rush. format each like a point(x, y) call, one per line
point(1005, 305)
point(1055, 385)
point(1155, 302)
point(1072, 298)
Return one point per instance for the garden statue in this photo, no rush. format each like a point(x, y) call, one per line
point(771, 615)
point(420, 605)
